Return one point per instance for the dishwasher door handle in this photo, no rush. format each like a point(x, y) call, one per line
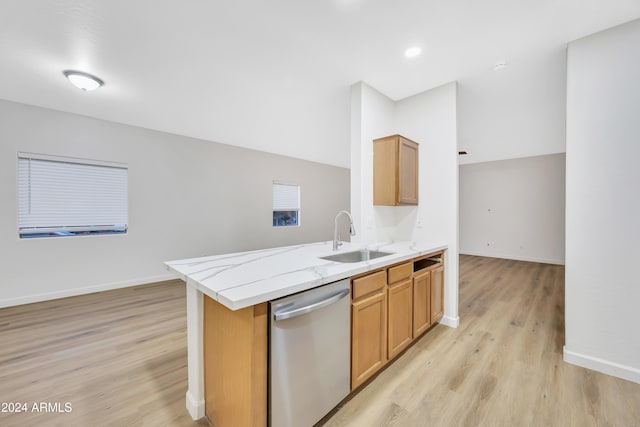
point(288, 314)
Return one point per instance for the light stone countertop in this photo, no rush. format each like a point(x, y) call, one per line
point(242, 279)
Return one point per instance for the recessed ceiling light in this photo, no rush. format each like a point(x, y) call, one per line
point(84, 81)
point(412, 52)
point(499, 65)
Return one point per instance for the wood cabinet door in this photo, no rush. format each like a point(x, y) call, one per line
point(385, 162)
point(437, 294)
point(421, 303)
point(368, 337)
point(395, 171)
point(400, 322)
point(407, 172)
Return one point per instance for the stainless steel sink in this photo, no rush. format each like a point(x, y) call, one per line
point(356, 256)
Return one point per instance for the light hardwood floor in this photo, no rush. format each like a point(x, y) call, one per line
point(502, 367)
point(119, 357)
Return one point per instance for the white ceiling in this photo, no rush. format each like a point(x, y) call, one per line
point(272, 75)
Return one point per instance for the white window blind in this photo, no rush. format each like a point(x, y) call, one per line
point(286, 205)
point(66, 196)
point(286, 197)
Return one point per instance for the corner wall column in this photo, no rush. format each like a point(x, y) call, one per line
point(195, 360)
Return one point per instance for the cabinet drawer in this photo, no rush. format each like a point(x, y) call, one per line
point(368, 284)
point(400, 272)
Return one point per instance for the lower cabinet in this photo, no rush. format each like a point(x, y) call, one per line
point(368, 336)
point(390, 308)
point(400, 319)
point(421, 302)
point(437, 294)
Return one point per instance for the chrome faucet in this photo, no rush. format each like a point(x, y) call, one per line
point(352, 229)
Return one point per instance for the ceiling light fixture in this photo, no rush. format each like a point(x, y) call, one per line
point(84, 81)
point(412, 52)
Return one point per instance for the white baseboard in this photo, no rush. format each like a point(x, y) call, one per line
point(514, 257)
point(606, 367)
point(28, 299)
point(195, 407)
point(452, 322)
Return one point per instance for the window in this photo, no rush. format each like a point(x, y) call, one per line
point(61, 196)
point(286, 205)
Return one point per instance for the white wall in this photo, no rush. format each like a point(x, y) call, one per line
point(372, 116)
point(603, 202)
point(187, 198)
point(514, 209)
point(428, 118)
point(515, 112)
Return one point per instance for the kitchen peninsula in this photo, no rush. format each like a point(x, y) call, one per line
point(227, 316)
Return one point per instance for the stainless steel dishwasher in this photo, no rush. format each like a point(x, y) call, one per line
point(309, 355)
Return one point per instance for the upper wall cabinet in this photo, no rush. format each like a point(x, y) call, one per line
point(395, 171)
